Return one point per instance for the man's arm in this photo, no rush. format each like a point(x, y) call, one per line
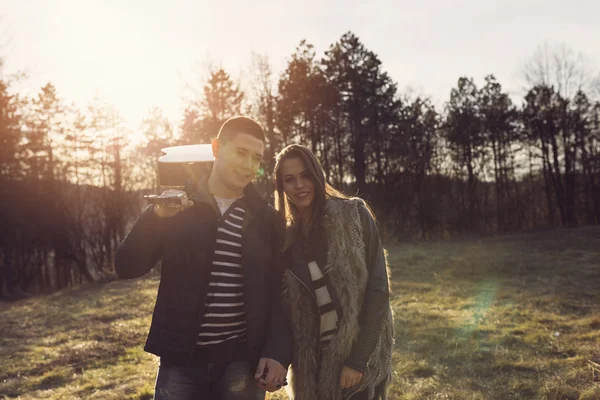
point(142, 247)
point(277, 352)
point(278, 345)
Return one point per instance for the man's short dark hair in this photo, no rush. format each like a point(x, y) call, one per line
point(240, 124)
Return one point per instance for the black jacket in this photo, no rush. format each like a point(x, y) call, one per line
point(185, 244)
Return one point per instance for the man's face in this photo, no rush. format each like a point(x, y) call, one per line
point(238, 160)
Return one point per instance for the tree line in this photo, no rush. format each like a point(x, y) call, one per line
point(71, 178)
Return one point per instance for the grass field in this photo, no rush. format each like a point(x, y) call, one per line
point(505, 317)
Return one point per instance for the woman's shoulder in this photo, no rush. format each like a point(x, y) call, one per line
point(351, 206)
point(349, 200)
point(336, 202)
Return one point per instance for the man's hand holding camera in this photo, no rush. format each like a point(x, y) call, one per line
point(170, 203)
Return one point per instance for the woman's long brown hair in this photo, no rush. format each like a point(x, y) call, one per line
point(322, 189)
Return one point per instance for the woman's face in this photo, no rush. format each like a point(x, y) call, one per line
point(297, 184)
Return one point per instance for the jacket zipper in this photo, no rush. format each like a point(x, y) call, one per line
point(318, 327)
point(303, 284)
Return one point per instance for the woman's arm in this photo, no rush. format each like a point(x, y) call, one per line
point(377, 295)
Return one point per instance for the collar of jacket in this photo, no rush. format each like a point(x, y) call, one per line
point(252, 198)
point(293, 250)
point(297, 262)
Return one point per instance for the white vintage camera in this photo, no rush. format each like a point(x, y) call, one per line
point(179, 168)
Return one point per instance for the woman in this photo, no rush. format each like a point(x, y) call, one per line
point(335, 287)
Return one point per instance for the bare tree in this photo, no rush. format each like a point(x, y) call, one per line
point(262, 101)
point(595, 87)
point(559, 66)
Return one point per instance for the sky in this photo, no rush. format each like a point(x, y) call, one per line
point(137, 55)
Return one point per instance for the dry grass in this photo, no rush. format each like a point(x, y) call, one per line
point(82, 343)
point(510, 317)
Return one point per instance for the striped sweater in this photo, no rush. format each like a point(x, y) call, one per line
point(327, 311)
point(224, 319)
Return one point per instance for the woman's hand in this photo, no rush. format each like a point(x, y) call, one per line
point(270, 375)
point(349, 377)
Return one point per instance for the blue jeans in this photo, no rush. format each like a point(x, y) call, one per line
point(228, 381)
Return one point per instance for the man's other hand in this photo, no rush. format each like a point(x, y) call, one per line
point(270, 374)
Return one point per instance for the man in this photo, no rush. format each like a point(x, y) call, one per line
point(218, 325)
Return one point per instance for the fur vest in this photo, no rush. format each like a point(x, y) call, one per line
point(315, 374)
